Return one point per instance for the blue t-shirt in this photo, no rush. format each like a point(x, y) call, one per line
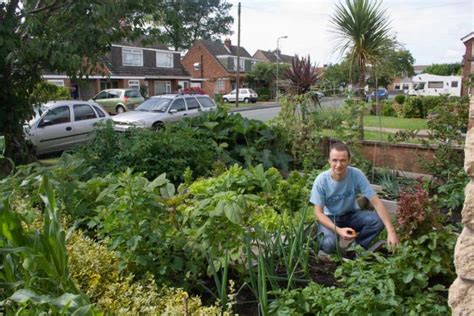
point(339, 197)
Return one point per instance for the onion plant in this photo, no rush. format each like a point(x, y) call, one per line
point(279, 260)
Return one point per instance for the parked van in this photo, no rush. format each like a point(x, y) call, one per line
point(428, 84)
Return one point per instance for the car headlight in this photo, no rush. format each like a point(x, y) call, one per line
point(140, 123)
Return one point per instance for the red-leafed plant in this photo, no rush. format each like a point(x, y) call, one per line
point(193, 90)
point(301, 75)
point(417, 214)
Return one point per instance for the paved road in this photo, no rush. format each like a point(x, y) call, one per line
point(261, 114)
point(266, 114)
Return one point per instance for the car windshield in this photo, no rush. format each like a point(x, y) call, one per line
point(154, 105)
point(419, 86)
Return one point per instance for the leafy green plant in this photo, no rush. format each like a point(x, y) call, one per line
point(400, 98)
point(6, 164)
point(35, 271)
point(45, 92)
point(169, 151)
point(411, 281)
point(390, 184)
point(132, 218)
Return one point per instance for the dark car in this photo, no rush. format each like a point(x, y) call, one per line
point(381, 94)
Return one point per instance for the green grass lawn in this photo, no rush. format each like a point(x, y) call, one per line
point(395, 122)
point(373, 135)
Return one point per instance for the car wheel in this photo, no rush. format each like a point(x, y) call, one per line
point(226, 101)
point(120, 109)
point(246, 100)
point(157, 126)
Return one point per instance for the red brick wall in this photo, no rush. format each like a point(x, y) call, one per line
point(405, 157)
point(210, 68)
point(467, 70)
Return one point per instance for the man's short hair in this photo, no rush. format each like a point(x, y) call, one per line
point(340, 147)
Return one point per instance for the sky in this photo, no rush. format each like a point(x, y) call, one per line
point(430, 29)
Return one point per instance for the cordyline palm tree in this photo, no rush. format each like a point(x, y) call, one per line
point(362, 28)
point(301, 75)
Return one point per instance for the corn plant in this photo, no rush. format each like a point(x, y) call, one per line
point(35, 273)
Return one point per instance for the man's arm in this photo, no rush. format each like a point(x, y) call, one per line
point(392, 238)
point(345, 232)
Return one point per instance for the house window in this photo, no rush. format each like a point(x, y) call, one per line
point(164, 60)
point(435, 84)
point(197, 66)
point(184, 84)
point(196, 85)
point(59, 83)
point(454, 84)
point(134, 84)
point(219, 86)
point(162, 87)
point(406, 86)
point(132, 57)
point(397, 86)
point(242, 64)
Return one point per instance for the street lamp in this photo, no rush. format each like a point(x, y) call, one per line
point(278, 61)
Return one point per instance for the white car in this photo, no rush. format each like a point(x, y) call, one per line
point(157, 110)
point(61, 125)
point(245, 95)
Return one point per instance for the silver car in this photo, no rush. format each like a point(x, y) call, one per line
point(158, 110)
point(61, 125)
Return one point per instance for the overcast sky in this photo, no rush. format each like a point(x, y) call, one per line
point(430, 29)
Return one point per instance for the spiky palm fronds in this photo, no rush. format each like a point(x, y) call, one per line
point(302, 75)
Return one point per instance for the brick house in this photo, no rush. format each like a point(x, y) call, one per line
point(272, 56)
point(213, 66)
point(130, 65)
point(468, 64)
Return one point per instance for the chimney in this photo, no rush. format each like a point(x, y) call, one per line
point(228, 43)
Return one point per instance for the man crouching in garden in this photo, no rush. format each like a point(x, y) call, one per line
point(334, 196)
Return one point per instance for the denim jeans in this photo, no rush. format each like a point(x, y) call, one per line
point(367, 224)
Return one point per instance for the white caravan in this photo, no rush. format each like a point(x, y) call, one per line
point(428, 84)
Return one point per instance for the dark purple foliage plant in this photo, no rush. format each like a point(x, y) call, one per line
point(301, 75)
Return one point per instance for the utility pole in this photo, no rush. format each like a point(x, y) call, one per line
point(238, 60)
point(278, 63)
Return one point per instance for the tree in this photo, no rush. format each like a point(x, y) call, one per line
point(66, 36)
point(444, 69)
point(263, 75)
point(362, 29)
point(396, 63)
point(335, 76)
point(181, 22)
